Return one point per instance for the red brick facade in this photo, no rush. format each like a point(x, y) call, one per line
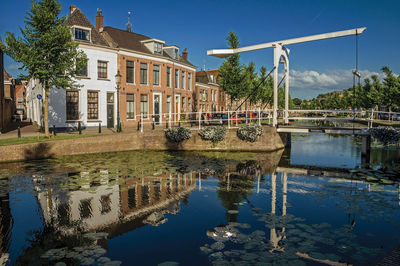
point(181, 103)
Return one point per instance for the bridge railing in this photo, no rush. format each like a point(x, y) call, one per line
point(368, 116)
point(232, 119)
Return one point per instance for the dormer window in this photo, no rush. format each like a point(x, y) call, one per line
point(157, 48)
point(82, 34)
point(176, 53)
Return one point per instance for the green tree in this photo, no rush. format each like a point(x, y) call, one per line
point(46, 50)
point(391, 92)
point(231, 74)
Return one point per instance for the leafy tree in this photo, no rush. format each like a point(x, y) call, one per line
point(391, 92)
point(231, 74)
point(46, 50)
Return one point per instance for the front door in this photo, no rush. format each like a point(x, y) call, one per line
point(110, 110)
point(157, 108)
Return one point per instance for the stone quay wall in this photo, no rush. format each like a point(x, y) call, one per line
point(271, 140)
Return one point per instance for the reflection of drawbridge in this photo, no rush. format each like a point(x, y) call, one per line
point(278, 234)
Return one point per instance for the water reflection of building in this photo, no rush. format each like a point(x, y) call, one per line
point(5, 228)
point(142, 195)
point(107, 205)
point(91, 205)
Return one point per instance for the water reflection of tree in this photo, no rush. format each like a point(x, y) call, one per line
point(235, 188)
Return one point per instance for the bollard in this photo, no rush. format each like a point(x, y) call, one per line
point(138, 126)
point(54, 130)
point(179, 123)
point(153, 124)
point(19, 132)
point(79, 128)
point(166, 123)
point(99, 128)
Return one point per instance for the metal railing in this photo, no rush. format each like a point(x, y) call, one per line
point(197, 120)
point(232, 119)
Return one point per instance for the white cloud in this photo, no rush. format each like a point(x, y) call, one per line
point(325, 81)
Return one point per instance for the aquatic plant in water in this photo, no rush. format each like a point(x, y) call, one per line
point(178, 134)
point(250, 132)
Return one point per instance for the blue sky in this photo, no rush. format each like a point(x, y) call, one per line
point(317, 67)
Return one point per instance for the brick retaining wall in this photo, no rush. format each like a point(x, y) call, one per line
point(150, 140)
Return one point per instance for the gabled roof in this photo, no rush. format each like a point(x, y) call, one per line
point(204, 76)
point(133, 41)
point(77, 18)
point(7, 77)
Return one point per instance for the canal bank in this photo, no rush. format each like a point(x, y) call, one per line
point(270, 140)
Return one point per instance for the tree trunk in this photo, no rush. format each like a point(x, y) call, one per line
point(46, 113)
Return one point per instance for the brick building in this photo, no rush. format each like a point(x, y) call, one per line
point(7, 98)
point(156, 79)
point(208, 95)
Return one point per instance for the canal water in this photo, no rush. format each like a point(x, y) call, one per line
point(312, 204)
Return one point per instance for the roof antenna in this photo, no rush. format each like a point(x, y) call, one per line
point(129, 24)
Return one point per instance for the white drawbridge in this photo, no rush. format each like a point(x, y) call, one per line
point(280, 51)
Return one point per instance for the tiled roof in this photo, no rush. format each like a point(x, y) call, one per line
point(132, 41)
point(77, 18)
point(7, 77)
point(204, 76)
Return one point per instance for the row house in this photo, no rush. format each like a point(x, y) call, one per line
point(94, 102)
point(157, 82)
point(208, 95)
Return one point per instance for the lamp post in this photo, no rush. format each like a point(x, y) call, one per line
point(118, 82)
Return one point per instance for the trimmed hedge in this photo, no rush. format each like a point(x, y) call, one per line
point(178, 134)
point(214, 133)
point(250, 132)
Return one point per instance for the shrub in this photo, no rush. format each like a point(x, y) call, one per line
point(250, 132)
point(178, 134)
point(215, 134)
point(386, 135)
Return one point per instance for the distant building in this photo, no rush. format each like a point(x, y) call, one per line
point(208, 95)
point(7, 100)
point(20, 102)
point(156, 79)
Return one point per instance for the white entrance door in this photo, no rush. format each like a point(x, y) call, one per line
point(157, 108)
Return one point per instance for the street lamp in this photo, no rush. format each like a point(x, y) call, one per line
point(118, 82)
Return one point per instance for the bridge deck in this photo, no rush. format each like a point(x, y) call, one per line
point(317, 129)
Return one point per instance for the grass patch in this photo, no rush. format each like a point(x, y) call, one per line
point(23, 140)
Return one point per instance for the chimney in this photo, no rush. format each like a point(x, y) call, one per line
point(185, 54)
point(71, 9)
point(99, 20)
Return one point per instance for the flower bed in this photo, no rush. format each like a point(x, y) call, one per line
point(250, 132)
point(385, 135)
point(178, 134)
point(215, 133)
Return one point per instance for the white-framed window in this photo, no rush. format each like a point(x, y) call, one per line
point(176, 53)
point(144, 105)
point(82, 34)
point(157, 48)
point(190, 81)
point(156, 75)
point(168, 77)
point(183, 80)
point(130, 106)
point(176, 78)
point(102, 69)
point(143, 73)
point(130, 71)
